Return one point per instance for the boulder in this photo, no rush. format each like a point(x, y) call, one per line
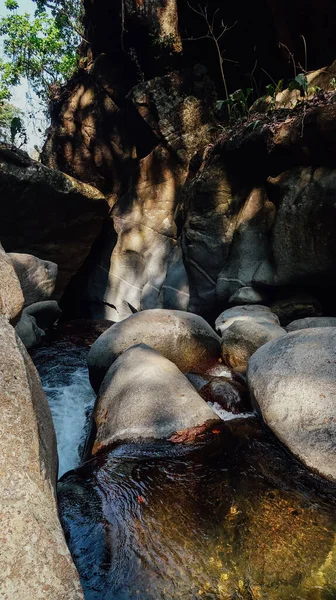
point(35, 319)
point(184, 338)
point(309, 322)
point(47, 213)
point(245, 295)
point(257, 313)
point(292, 380)
point(11, 296)
point(45, 313)
point(35, 561)
point(28, 331)
point(242, 337)
point(230, 395)
point(143, 396)
point(37, 277)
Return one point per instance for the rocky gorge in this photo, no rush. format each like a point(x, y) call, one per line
point(170, 273)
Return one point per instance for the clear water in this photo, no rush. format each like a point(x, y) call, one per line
point(231, 517)
point(65, 380)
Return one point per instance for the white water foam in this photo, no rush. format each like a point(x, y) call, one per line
point(225, 415)
point(71, 405)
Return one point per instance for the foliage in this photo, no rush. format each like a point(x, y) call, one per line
point(42, 47)
point(11, 124)
point(238, 102)
point(215, 29)
point(300, 83)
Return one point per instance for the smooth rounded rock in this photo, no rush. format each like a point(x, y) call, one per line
point(310, 322)
point(257, 312)
point(37, 277)
point(35, 562)
point(184, 338)
point(293, 380)
point(45, 313)
point(28, 331)
point(145, 396)
point(245, 295)
point(11, 295)
point(242, 338)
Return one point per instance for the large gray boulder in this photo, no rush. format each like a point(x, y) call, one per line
point(37, 277)
point(184, 338)
point(11, 296)
point(310, 322)
point(47, 213)
point(293, 382)
point(257, 313)
point(143, 396)
point(35, 562)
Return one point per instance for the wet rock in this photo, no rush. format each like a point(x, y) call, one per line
point(48, 214)
point(184, 338)
point(144, 395)
point(11, 296)
point(35, 561)
point(37, 277)
point(309, 322)
point(296, 307)
point(293, 382)
point(229, 395)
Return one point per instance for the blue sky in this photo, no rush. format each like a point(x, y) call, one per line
point(22, 92)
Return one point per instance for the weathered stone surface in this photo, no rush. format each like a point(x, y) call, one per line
point(143, 396)
point(138, 248)
point(184, 338)
point(34, 560)
point(310, 322)
point(28, 331)
point(230, 395)
point(47, 214)
point(35, 319)
point(11, 296)
point(242, 337)
point(37, 277)
point(257, 313)
point(303, 237)
point(293, 382)
point(246, 295)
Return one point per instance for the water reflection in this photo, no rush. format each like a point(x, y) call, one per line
point(233, 518)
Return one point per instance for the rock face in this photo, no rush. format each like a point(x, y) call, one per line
point(11, 296)
point(136, 262)
point(37, 277)
point(293, 382)
point(143, 396)
point(185, 339)
point(47, 214)
point(35, 561)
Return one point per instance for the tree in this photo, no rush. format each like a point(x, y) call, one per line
point(11, 124)
point(42, 47)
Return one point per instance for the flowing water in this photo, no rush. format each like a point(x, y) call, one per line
point(231, 517)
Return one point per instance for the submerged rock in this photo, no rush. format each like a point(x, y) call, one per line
point(293, 382)
point(34, 562)
point(37, 277)
point(184, 338)
point(143, 396)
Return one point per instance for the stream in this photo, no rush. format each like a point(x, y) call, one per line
point(231, 517)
